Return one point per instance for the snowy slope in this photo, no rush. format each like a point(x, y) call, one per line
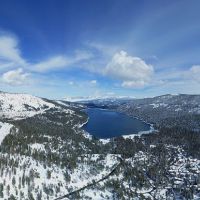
point(17, 106)
point(4, 130)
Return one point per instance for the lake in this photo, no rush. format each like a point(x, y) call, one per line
point(105, 123)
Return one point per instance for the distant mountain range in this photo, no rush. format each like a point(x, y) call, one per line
point(93, 98)
point(167, 110)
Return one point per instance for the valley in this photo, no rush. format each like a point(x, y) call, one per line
point(46, 154)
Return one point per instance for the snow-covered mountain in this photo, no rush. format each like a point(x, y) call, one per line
point(45, 155)
point(180, 109)
point(22, 105)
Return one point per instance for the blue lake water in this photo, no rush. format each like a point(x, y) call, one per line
point(107, 124)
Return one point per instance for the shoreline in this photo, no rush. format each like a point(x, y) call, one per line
point(81, 125)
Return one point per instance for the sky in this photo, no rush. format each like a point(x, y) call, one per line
point(63, 48)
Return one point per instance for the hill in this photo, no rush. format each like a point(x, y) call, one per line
point(44, 153)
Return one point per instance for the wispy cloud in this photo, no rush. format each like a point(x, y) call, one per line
point(93, 82)
point(60, 61)
point(50, 64)
point(14, 68)
point(10, 54)
point(83, 84)
point(15, 77)
point(105, 49)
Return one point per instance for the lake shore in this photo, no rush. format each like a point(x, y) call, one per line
point(105, 120)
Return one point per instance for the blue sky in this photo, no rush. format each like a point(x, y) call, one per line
point(66, 48)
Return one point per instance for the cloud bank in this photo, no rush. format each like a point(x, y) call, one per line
point(108, 64)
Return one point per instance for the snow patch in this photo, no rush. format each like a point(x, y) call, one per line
point(37, 146)
point(4, 130)
point(158, 105)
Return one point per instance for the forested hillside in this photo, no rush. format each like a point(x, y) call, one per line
point(44, 154)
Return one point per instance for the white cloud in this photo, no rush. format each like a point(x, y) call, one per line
point(132, 71)
point(133, 84)
point(103, 48)
point(194, 73)
point(9, 51)
point(93, 82)
point(52, 63)
point(60, 61)
point(15, 77)
point(81, 55)
point(83, 84)
point(10, 57)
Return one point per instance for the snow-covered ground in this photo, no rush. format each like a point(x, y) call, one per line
point(22, 105)
point(4, 130)
point(158, 105)
point(31, 177)
point(132, 136)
